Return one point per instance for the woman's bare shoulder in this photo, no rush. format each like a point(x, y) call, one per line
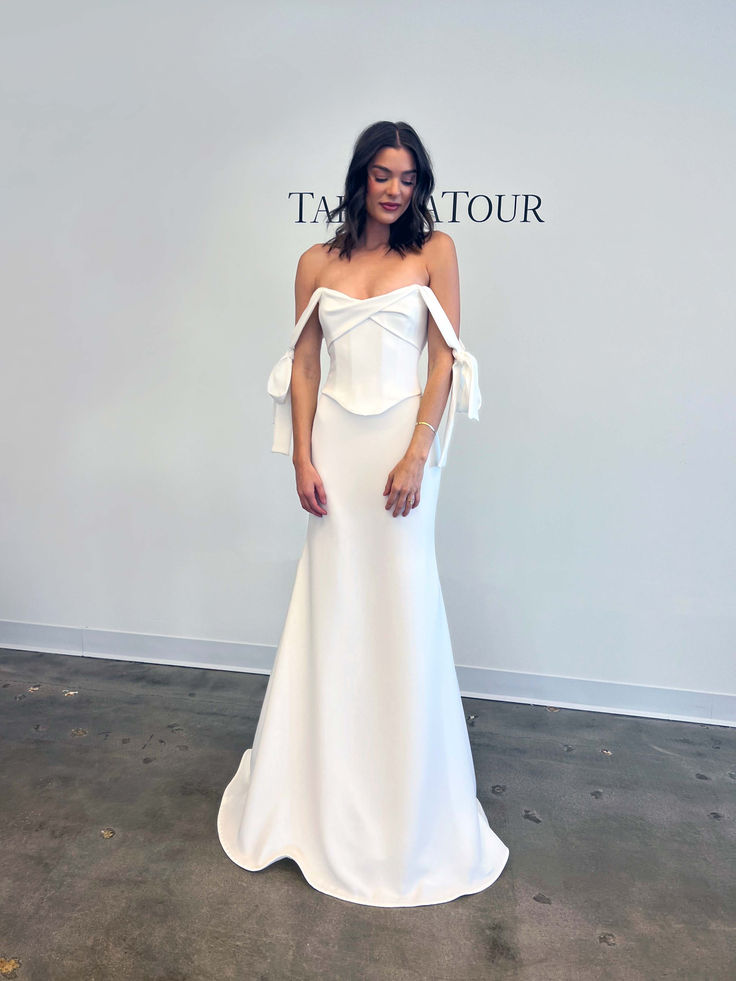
point(439, 244)
point(317, 251)
point(440, 256)
point(311, 263)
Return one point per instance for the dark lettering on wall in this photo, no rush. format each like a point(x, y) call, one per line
point(322, 209)
point(488, 209)
point(454, 202)
point(500, 198)
point(455, 207)
point(431, 206)
point(534, 210)
point(300, 195)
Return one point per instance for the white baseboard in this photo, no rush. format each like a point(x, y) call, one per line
point(646, 701)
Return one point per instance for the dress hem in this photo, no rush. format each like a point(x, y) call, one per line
point(295, 855)
point(468, 891)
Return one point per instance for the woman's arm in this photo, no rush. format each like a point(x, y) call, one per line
point(444, 279)
point(305, 377)
point(306, 370)
point(403, 484)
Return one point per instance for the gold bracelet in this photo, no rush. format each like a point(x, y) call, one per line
point(427, 424)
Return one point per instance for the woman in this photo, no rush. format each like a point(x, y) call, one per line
point(361, 769)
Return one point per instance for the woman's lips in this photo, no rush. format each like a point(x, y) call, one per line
point(389, 207)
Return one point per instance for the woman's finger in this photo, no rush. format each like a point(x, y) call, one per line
point(320, 498)
point(308, 503)
point(402, 503)
point(314, 502)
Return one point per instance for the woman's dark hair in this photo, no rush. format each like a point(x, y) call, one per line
point(416, 225)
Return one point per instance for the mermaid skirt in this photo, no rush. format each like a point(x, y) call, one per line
point(361, 768)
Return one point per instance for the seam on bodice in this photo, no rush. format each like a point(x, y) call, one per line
point(364, 320)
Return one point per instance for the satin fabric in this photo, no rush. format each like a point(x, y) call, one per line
point(381, 369)
point(360, 768)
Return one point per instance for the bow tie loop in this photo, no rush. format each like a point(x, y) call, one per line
point(465, 372)
point(279, 380)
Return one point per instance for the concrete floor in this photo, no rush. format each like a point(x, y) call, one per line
point(621, 833)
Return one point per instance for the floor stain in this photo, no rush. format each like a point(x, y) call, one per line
point(668, 752)
point(701, 776)
point(8, 967)
point(597, 794)
point(497, 947)
point(541, 898)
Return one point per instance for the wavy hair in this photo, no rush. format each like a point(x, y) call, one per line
point(415, 226)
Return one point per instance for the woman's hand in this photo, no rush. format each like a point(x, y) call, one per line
point(403, 485)
point(310, 488)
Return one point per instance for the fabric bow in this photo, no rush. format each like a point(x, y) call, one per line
point(279, 388)
point(464, 396)
point(465, 377)
point(280, 378)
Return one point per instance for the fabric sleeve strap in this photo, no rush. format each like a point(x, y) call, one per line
point(464, 391)
point(279, 384)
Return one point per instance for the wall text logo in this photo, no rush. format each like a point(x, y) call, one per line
point(454, 207)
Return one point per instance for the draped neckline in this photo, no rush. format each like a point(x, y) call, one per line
point(366, 299)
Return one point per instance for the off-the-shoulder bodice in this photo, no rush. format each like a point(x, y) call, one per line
point(374, 347)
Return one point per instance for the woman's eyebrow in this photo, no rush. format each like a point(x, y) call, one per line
point(380, 167)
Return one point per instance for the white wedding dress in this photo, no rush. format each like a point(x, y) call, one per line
point(361, 769)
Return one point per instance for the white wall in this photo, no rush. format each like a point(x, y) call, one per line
point(586, 523)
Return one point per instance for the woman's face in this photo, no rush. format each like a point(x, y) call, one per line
point(391, 179)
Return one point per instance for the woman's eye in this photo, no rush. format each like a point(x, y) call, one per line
point(382, 180)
